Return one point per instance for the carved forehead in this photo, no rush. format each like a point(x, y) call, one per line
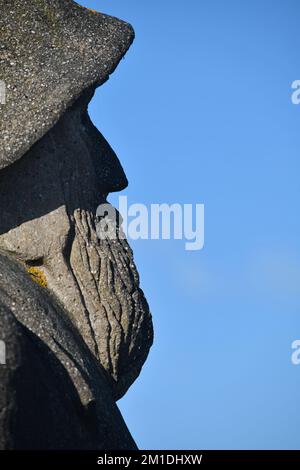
point(50, 51)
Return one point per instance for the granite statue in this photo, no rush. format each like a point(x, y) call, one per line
point(75, 322)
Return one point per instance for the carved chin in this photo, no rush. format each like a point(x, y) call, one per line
point(118, 321)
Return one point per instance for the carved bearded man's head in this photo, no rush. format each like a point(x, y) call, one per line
point(57, 171)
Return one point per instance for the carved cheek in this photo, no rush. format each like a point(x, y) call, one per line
point(38, 238)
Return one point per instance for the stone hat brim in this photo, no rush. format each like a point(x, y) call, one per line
point(50, 52)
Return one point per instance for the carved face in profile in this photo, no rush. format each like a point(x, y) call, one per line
point(49, 199)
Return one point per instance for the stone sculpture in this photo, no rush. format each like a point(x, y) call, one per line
point(76, 325)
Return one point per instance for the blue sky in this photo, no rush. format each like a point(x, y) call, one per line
point(200, 112)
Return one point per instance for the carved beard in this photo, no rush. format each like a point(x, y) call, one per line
point(118, 318)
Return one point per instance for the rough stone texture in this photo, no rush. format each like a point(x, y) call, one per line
point(50, 51)
point(76, 344)
point(53, 394)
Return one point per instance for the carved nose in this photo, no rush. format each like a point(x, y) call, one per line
point(110, 174)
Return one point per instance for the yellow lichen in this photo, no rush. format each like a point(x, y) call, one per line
point(88, 9)
point(38, 276)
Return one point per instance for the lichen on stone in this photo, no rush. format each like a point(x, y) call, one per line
point(38, 276)
point(89, 9)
